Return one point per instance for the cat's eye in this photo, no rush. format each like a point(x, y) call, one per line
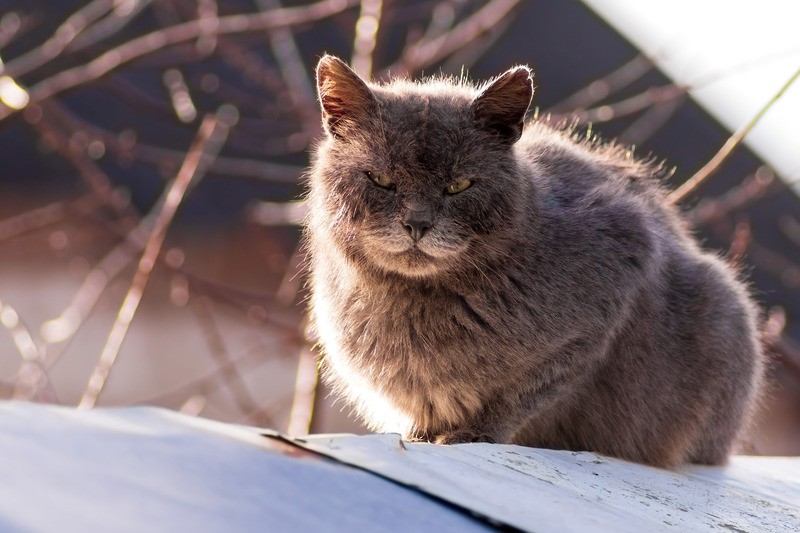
point(380, 180)
point(459, 186)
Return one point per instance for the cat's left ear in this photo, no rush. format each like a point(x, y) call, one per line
point(345, 99)
point(502, 103)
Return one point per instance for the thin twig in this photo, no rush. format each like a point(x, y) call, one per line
point(180, 33)
point(305, 389)
point(292, 278)
point(628, 106)
point(10, 26)
point(733, 141)
point(223, 166)
point(97, 180)
point(284, 47)
point(234, 381)
point(215, 379)
point(32, 370)
point(753, 188)
point(600, 88)
point(366, 33)
point(47, 215)
point(123, 13)
point(740, 242)
point(68, 322)
point(651, 121)
point(428, 52)
point(210, 137)
point(61, 38)
point(471, 52)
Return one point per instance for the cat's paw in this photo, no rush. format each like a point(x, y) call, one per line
point(461, 436)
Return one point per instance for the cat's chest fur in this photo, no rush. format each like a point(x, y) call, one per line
point(413, 353)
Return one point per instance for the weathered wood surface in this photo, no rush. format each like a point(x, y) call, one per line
point(547, 490)
point(143, 469)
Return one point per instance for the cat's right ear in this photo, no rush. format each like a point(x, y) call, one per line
point(501, 105)
point(345, 99)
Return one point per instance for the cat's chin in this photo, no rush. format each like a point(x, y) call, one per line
point(412, 263)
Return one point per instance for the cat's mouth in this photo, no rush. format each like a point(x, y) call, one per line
point(424, 258)
point(411, 262)
point(414, 256)
point(416, 263)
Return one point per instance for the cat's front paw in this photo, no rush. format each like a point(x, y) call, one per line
point(461, 436)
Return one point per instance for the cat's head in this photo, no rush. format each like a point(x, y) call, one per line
point(418, 178)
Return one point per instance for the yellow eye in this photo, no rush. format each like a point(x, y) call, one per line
point(459, 186)
point(380, 179)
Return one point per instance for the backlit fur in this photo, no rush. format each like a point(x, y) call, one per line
point(557, 302)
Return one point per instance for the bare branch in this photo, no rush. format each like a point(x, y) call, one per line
point(61, 38)
point(173, 35)
point(32, 371)
point(651, 121)
point(10, 26)
point(215, 379)
point(733, 141)
point(210, 137)
point(284, 47)
point(123, 13)
point(47, 215)
point(305, 389)
point(605, 86)
point(742, 236)
point(628, 106)
point(278, 213)
point(753, 188)
point(428, 52)
point(366, 36)
point(234, 381)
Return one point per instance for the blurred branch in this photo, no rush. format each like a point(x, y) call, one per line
point(753, 188)
point(99, 183)
point(305, 390)
point(47, 215)
point(165, 37)
point(234, 381)
point(278, 213)
point(427, 52)
point(32, 372)
point(292, 67)
point(601, 88)
point(135, 149)
point(211, 135)
point(733, 141)
point(651, 121)
point(124, 11)
point(742, 237)
point(291, 283)
point(790, 228)
point(10, 26)
point(788, 352)
point(61, 38)
point(467, 56)
point(607, 112)
point(366, 36)
point(215, 379)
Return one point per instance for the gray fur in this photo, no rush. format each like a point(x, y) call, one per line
point(557, 302)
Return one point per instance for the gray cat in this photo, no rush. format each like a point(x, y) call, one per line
point(477, 278)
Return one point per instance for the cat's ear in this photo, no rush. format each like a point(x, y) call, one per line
point(502, 103)
point(345, 99)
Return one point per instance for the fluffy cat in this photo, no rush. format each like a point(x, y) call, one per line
point(478, 278)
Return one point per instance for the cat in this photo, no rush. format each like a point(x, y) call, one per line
point(478, 278)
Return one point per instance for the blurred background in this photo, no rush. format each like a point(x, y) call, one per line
point(152, 164)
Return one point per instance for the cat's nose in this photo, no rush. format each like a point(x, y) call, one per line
point(417, 223)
